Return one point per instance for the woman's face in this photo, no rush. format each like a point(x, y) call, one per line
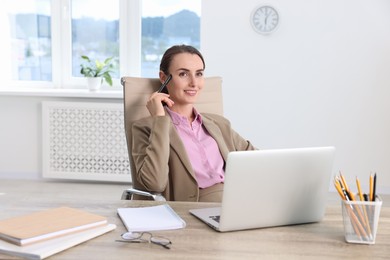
point(187, 78)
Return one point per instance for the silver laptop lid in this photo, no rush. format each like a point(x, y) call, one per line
point(267, 188)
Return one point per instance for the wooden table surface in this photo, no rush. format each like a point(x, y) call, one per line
point(323, 240)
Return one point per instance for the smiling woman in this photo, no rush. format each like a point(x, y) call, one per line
point(178, 151)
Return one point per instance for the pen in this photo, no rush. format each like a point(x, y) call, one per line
point(374, 188)
point(165, 83)
point(348, 195)
point(359, 213)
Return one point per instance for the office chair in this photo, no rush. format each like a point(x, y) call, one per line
point(136, 92)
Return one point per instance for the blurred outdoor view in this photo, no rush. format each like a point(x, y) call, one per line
point(96, 34)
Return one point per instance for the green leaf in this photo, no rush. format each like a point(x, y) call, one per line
point(97, 68)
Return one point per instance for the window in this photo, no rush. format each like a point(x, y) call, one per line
point(30, 40)
point(48, 37)
point(95, 31)
point(166, 23)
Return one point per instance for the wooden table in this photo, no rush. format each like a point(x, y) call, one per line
point(323, 240)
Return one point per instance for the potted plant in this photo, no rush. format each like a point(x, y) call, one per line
point(97, 71)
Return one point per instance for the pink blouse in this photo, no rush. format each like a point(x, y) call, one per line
point(202, 149)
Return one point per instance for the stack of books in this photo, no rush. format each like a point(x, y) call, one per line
point(44, 233)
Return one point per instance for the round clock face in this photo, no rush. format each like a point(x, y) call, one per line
point(265, 19)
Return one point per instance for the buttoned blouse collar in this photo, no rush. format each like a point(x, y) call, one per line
point(178, 119)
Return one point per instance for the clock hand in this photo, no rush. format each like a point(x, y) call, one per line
point(266, 18)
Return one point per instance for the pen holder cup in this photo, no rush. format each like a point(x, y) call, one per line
point(361, 220)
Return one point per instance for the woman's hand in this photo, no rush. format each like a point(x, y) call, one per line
point(155, 106)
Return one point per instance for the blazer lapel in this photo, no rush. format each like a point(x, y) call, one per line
point(178, 146)
point(216, 133)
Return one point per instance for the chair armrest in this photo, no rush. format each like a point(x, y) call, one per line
point(128, 194)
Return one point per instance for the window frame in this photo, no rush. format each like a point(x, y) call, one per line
point(130, 48)
point(129, 43)
point(129, 35)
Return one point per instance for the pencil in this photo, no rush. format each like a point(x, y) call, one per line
point(357, 215)
point(355, 219)
point(363, 206)
point(364, 224)
point(338, 188)
point(344, 182)
point(359, 189)
point(345, 192)
point(371, 188)
point(354, 226)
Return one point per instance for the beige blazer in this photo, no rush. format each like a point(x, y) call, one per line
point(161, 161)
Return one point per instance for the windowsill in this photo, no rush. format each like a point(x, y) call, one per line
point(73, 93)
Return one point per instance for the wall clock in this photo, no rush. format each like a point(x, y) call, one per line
point(265, 19)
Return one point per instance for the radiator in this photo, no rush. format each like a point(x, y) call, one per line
point(84, 141)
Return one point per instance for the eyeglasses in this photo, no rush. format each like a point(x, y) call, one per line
point(139, 237)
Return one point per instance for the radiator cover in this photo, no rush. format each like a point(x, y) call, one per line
point(85, 141)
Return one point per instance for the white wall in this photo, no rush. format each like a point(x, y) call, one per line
point(21, 134)
point(320, 79)
point(323, 78)
point(20, 137)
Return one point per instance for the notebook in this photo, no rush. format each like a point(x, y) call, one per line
point(268, 188)
point(46, 248)
point(160, 217)
point(47, 224)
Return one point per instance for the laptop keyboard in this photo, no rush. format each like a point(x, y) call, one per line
point(215, 218)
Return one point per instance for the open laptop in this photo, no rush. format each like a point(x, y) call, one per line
point(267, 188)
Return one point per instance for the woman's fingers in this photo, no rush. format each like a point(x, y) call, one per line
point(155, 103)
